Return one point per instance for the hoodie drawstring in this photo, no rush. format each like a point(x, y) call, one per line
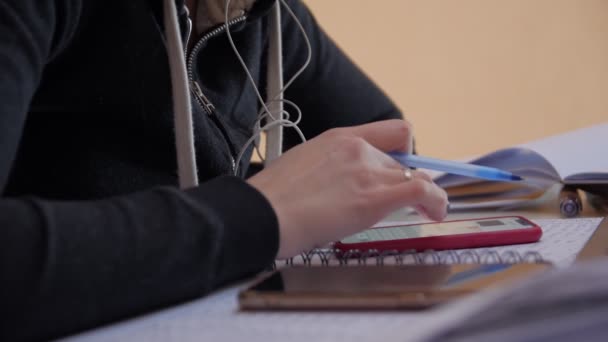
point(274, 81)
point(182, 107)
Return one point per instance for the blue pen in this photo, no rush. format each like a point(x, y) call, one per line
point(464, 169)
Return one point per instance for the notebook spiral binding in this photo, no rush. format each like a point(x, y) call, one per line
point(332, 257)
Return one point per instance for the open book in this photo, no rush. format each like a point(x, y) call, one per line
point(578, 158)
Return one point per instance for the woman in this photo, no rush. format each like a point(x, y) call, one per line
point(93, 226)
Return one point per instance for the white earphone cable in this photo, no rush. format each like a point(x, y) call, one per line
point(264, 111)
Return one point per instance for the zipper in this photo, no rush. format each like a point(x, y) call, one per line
point(202, 99)
point(195, 87)
point(210, 109)
point(216, 31)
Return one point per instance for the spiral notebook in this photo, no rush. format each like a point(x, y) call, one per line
point(559, 245)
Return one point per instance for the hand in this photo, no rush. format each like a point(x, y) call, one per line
point(342, 182)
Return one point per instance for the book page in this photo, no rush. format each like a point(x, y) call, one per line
point(578, 151)
point(532, 166)
point(574, 158)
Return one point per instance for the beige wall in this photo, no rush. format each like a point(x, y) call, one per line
point(475, 75)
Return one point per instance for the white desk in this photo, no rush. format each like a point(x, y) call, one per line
point(217, 318)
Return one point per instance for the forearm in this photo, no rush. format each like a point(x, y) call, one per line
point(68, 266)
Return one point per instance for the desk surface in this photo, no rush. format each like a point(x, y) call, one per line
point(216, 317)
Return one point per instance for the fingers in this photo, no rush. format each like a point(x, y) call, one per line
point(387, 135)
point(422, 175)
point(399, 188)
point(398, 175)
point(419, 192)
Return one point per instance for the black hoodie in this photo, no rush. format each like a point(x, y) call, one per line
point(93, 228)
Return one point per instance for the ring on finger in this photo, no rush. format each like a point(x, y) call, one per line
point(408, 174)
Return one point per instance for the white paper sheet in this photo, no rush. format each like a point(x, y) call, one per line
point(582, 150)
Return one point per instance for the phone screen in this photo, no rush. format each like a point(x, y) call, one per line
point(380, 287)
point(439, 229)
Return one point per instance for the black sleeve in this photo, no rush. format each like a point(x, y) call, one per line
point(333, 91)
point(29, 35)
point(68, 266)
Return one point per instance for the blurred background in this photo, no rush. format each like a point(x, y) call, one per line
point(477, 75)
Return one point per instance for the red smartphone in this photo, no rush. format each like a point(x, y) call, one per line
point(471, 233)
